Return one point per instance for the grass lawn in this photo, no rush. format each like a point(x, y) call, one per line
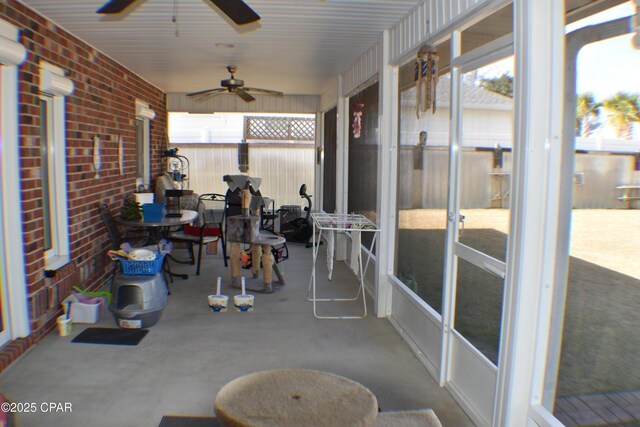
point(601, 334)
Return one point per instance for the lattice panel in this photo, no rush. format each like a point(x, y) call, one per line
point(303, 129)
point(279, 129)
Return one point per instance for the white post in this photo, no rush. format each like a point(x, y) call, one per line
point(318, 186)
point(388, 95)
point(539, 59)
point(342, 166)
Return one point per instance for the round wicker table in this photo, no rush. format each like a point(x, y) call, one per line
point(295, 398)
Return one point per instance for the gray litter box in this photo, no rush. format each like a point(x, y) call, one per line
point(138, 301)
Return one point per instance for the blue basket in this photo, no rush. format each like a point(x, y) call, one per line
point(145, 268)
point(152, 212)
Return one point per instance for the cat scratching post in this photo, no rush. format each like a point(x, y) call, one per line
point(245, 228)
point(240, 237)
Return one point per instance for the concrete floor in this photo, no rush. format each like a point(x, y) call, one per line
point(192, 352)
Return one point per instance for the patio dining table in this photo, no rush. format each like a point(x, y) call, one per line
point(160, 229)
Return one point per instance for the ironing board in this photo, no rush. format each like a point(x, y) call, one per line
point(329, 223)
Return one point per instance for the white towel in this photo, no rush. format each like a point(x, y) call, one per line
point(355, 251)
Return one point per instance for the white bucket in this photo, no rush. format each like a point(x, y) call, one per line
point(218, 303)
point(64, 325)
point(243, 302)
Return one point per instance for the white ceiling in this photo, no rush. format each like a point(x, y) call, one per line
point(298, 47)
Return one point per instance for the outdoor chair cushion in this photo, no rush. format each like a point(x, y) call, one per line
point(195, 231)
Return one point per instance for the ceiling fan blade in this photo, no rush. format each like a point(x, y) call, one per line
point(237, 10)
point(115, 6)
point(244, 95)
point(208, 91)
point(265, 91)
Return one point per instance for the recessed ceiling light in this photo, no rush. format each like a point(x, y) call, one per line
point(225, 45)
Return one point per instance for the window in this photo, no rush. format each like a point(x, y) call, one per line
point(46, 157)
point(143, 146)
point(142, 140)
point(13, 307)
point(53, 89)
point(423, 169)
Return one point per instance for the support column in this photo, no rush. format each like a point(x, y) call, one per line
point(538, 90)
point(388, 89)
point(342, 167)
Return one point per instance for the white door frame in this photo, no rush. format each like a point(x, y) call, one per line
point(474, 388)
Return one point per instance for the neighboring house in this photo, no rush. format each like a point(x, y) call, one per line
point(487, 118)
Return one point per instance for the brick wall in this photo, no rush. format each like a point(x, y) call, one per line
point(103, 104)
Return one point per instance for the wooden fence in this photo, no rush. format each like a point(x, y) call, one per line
point(596, 177)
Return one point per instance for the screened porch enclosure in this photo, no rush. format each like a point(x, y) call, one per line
point(503, 284)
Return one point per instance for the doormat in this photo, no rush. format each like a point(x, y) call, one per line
point(113, 336)
point(180, 421)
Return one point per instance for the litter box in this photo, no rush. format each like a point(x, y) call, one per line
point(138, 301)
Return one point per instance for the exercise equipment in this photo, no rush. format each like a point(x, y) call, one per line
point(299, 230)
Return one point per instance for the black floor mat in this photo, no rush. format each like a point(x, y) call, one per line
point(113, 336)
point(181, 421)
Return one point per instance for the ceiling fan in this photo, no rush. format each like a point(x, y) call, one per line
point(237, 10)
point(233, 85)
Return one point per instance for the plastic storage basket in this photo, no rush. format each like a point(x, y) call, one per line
point(134, 267)
point(152, 212)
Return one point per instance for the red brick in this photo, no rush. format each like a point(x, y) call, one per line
point(102, 104)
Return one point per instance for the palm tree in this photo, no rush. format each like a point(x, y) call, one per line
point(586, 109)
point(623, 109)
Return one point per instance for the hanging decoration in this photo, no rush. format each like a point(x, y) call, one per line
point(356, 126)
point(121, 155)
point(96, 155)
point(426, 77)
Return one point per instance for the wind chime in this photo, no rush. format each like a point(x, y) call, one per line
point(356, 125)
point(426, 79)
